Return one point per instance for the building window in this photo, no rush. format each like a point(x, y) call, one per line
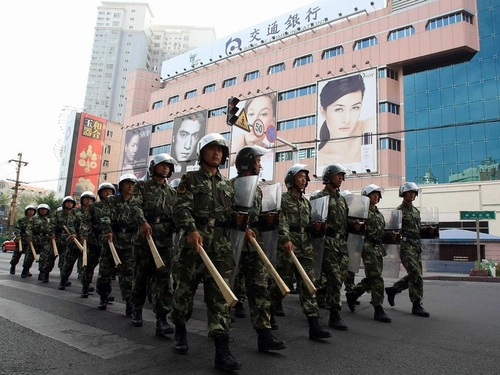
point(209, 88)
point(283, 156)
point(332, 52)
point(276, 68)
point(190, 94)
point(252, 75)
point(307, 153)
point(389, 107)
point(160, 150)
point(297, 123)
point(173, 99)
point(217, 112)
point(365, 43)
point(107, 149)
point(104, 176)
point(109, 133)
point(390, 144)
point(401, 33)
point(105, 163)
point(450, 19)
point(388, 73)
point(158, 104)
point(304, 60)
point(229, 82)
point(302, 91)
point(163, 126)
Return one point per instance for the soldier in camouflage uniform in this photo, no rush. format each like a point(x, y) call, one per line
point(90, 231)
point(39, 231)
point(335, 256)
point(203, 210)
point(411, 251)
point(118, 226)
point(61, 219)
point(373, 257)
point(151, 208)
point(251, 267)
point(73, 253)
point(294, 236)
point(20, 233)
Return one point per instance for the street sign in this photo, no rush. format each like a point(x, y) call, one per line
point(477, 215)
point(258, 128)
point(271, 133)
point(242, 121)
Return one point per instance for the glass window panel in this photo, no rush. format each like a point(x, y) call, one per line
point(434, 99)
point(491, 108)
point(459, 74)
point(421, 101)
point(409, 103)
point(461, 96)
point(448, 96)
point(462, 113)
point(475, 91)
point(421, 83)
point(448, 115)
point(433, 79)
point(435, 118)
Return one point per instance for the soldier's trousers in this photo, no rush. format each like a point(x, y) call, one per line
point(28, 257)
point(93, 254)
point(334, 268)
point(287, 270)
point(125, 272)
point(373, 281)
point(16, 256)
point(61, 248)
point(412, 261)
point(253, 270)
point(145, 270)
point(71, 256)
point(47, 258)
point(189, 270)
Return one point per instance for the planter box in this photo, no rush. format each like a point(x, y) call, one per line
point(482, 273)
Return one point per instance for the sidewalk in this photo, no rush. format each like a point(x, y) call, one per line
point(444, 276)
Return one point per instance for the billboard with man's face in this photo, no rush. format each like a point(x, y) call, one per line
point(347, 122)
point(261, 114)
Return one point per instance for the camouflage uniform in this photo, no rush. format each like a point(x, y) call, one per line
point(73, 253)
point(61, 219)
point(295, 219)
point(336, 257)
point(117, 219)
point(152, 203)
point(20, 233)
point(373, 254)
point(204, 204)
point(40, 230)
point(411, 253)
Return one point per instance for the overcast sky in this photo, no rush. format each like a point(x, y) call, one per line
point(46, 48)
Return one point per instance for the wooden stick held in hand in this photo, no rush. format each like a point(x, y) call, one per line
point(229, 296)
point(156, 255)
point(84, 260)
point(77, 243)
point(35, 256)
point(277, 278)
point(114, 253)
point(309, 284)
point(20, 245)
point(54, 247)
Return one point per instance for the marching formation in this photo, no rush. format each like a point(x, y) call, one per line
point(165, 239)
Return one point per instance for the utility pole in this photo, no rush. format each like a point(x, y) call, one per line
point(20, 163)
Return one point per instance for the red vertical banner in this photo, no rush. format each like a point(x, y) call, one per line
point(88, 154)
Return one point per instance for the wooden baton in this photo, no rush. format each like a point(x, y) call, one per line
point(20, 243)
point(84, 256)
point(156, 255)
point(33, 252)
point(309, 284)
point(116, 258)
point(226, 291)
point(54, 247)
point(77, 243)
point(277, 278)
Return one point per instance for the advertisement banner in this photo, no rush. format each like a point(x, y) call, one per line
point(187, 132)
point(88, 154)
point(136, 151)
point(260, 112)
point(347, 122)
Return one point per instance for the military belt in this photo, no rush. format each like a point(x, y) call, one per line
point(210, 222)
point(120, 229)
point(338, 236)
point(300, 230)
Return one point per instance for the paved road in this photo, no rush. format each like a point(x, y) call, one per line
point(47, 331)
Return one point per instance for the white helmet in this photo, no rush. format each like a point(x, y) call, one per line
point(69, 198)
point(345, 193)
point(214, 139)
point(314, 193)
point(130, 177)
point(408, 186)
point(371, 188)
point(87, 194)
point(174, 183)
point(29, 207)
point(162, 158)
point(106, 185)
point(43, 205)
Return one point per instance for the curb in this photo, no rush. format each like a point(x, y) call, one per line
point(481, 279)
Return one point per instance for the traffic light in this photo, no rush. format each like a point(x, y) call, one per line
point(232, 110)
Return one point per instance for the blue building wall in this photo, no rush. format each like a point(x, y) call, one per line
point(452, 113)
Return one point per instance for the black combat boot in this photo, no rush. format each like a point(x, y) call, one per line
point(62, 283)
point(45, 278)
point(224, 360)
point(111, 299)
point(137, 318)
point(91, 288)
point(380, 315)
point(239, 310)
point(162, 326)
point(129, 308)
point(68, 283)
point(103, 302)
point(40, 275)
point(266, 341)
point(278, 311)
point(24, 272)
point(12, 269)
point(336, 321)
point(351, 300)
point(315, 331)
point(418, 310)
point(85, 291)
point(180, 339)
point(391, 294)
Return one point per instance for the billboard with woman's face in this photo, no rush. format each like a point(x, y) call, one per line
point(136, 151)
point(347, 122)
point(260, 112)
